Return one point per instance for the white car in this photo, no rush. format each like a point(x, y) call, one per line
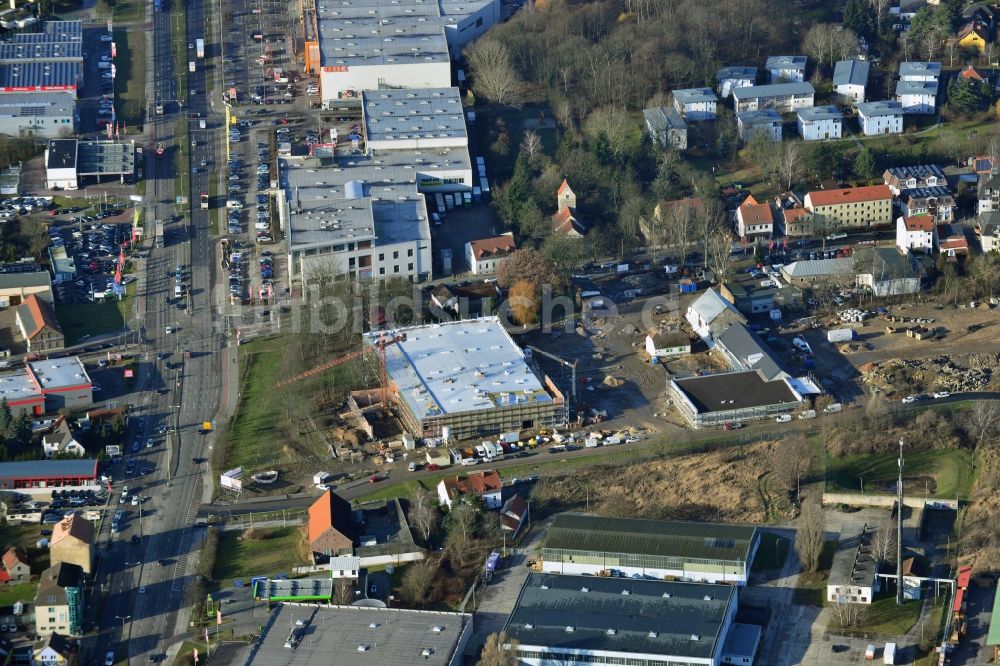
point(169, 330)
point(632, 439)
point(135, 500)
point(909, 399)
point(783, 418)
point(941, 394)
point(412, 467)
point(109, 659)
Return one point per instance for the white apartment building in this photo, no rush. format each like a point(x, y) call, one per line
point(817, 123)
point(880, 118)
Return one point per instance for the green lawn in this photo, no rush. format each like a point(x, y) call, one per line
point(253, 430)
point(23, 592)
point(79, 319)
point(951, 470)
point(130, 76)
point(128, 10)
point(275, 551)
point(887, 619)
point(812, 584)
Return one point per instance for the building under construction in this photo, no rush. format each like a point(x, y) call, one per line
point(464, 379)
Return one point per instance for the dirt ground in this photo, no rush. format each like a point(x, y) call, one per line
point(721, 485)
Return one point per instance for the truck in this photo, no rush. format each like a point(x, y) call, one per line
point(889, 654)
point(834, 408)
point(446, 260)
point(841, 335)
point(199, 46)
point(492, 564)
point(808, 414)
point(511, 437)
point(159, 109)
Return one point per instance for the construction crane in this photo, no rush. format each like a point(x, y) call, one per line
point(569, 364)
point(320, 368)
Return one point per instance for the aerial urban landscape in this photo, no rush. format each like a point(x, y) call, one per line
point(704, 296)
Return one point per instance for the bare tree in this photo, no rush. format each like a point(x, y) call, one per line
point(982, 420)
point(877, 411)
point(790, 461)
point(884, 542)
point(848, 614)
point(465, 518)
point(613, 124)
point(930, 44)
point(881, 7)
point(951, 48)
point(424, 512)
point(493, 75)
point(531, 145)
point(719, 251)
point(905, 46)
point(343, 592)
point(810, 536)
point(499, 650)
point(791, 164)
point(417, 580)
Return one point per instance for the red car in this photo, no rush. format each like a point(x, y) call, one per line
point(431, 467)
point(374, 478)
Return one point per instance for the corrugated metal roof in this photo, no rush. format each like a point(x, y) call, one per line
point(47, 468)
point(819, 267)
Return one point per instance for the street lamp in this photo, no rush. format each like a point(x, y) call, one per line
point(123, 619)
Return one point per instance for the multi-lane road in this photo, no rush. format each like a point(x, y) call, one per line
point(139, 606)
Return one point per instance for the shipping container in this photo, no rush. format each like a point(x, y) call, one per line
point(840, 335)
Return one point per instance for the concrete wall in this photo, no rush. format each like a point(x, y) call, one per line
point(887, 501)
point(380, 560)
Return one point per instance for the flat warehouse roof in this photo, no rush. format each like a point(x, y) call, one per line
point(37, 469)
point(460, 366)
point(55, 373)
point(16, 387)
point(734, 390)
point(357, 636)
point(704, 541)
point(34, 104)
point(621, 615)
point(17, 77)
point(413, 113)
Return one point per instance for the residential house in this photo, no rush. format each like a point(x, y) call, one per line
point(565, 221)
point(913, 177)
point(818, 123)
point(331, 527)
point(853, 576)
point(981, 13)
point(783, 69)
point(61, 440)
point(810, 272)
point(72, 542)
point(665, 214)
point(485, 255)
point(745, 351)
point(917, 96)
point(852, 207)
point(695, 103)
point(916, 233)
point(988, 194)
point(466, 300)
point(973, 36)
point(884, 117)
point(486, 484)
point(16, 567)
point(886, 272)
point(53, 650)
point(782, 97)
point(766, 122)
point(758, 296)
point(710, 314)
point(850, 77)
point(919, 71)
point(754, 218)
point(667, 344)
point(988, 230)
point(728, 78)
point(934, 201)
point(59, 603)
point(970, 73)
point(36, 322)
point(952, 242)
point(797, 221)
point(666, 127)
point(514, 515)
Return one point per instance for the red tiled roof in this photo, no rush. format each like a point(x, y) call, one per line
point(969, 28)
point(849, 195)
point(918, 223)
point(971, 73)
point(487, 481)
point(42, 315)
point(75, 526)
point(794, 214)
point(503, 244)
point(329, 510)
point(13, 557)
point(753, 212)
point(562, 188)
point(565, 222)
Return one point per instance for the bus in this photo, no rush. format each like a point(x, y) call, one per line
point(204, 200)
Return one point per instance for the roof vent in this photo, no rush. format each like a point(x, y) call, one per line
point(373, 625)
point(667, 595)
point(426, 652)
point(437, 629)
point(626, 592)
point(585, 589)
point(652, 634)
point(544, 587)
point(529, 626)
point(695, 637)
point(570, 629)
point(611, 632)
point(362, 648)
point(708, 597)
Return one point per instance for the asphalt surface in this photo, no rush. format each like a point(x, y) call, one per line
point(139, 605)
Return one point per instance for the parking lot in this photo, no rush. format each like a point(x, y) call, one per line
point(94, 243)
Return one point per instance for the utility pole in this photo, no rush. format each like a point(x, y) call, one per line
point(899, 529)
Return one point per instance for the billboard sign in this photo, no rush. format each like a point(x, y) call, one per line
point(231, 479)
